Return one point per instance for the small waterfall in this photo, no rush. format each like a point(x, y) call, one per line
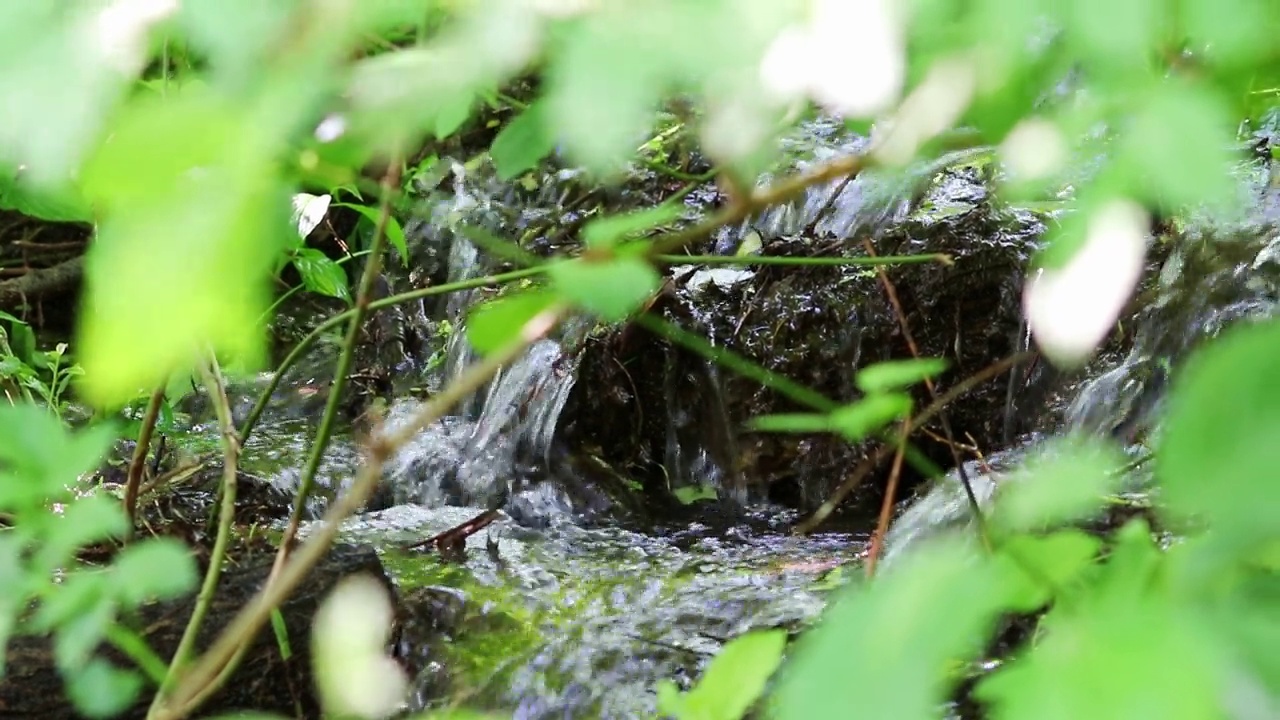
point(1222, 272)
point(486, 460)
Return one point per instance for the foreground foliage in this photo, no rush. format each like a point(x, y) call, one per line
point(188, 171)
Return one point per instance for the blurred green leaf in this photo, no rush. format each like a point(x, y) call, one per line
point(237, 36)
point(1114, 35)
point(83, 521)
point(611, 289)
point(606, 56)
point(452, 116)
point(1039, 567)
point(609, 230)
point(63, 205)
point(1232, 31)
point(79, 635)
point(320, 274)
point(78, 594)
point(101, 690)
point(1177, 146)
point(196, 210)
point(1120, 651)
point(495, 324)
point(898, 374)
point(1217, 457)
point(1065, 480)
point(879, 648)
point(156, 569)
point(792, 422)
point(42, 457)
point(523, 143)
point(858, 420)
point(732, 682)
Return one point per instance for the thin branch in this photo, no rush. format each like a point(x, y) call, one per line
point(866, 466)
point(139, 461)
point(382, 446)
point(892, 293)
point(226, 517)
point(886, 507)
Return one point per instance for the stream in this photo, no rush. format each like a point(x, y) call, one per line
point(575, 604)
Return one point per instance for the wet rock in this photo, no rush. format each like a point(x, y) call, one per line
point(670, 416)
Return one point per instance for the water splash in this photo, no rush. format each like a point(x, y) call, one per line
point(486, 459)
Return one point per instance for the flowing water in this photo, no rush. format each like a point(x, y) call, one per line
point(568, 619)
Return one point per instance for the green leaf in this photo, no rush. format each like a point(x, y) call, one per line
point(43, 456)
point(320, 274)
point(61, 82)
point(1217, 456)
point(1065, 480)
point(1177, 146)
point(689, 494)
point(611, 289)
point(101, 690)
point(869, 414)
point(879, 649)
point(1117, 35)
point(453, 115)
point(78, 636)
point(1038, 567)
point(84, 521)
point(198, 216)
point(736, 677)
point(791, 422)
point(495, 324)
point(1233, 31)
point(898, 374)
point(79, 594)
point(64, 205)
point(394, 231)
point(604, 84)
point(607, 231)
point(523, 143)
point(1120, 651)
point(157, 569)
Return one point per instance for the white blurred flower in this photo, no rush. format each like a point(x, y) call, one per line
point(353, 673)
point(932, 107)
point(119, 31)
point(1070, 309)
point(563, 8)
point(849, 56)
point(1033, 150)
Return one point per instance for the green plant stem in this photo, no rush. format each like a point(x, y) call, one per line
point(372, 267)
point(802, 261)
point(139, 460)
point(264, 398)
point(136, 649)
point(382, 446)
point(663, 169)
point(744, 367)
point(226, 517)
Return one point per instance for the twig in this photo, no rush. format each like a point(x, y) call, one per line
point(139, 461)
point(886, 508)
point(382, 446)
point(226, 517)
point(892, 293)
point(866, 466)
